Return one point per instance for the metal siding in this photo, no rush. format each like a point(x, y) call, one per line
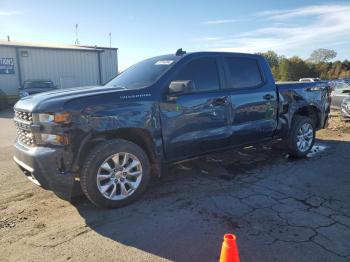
point(66, 68)
point(9, 83)
point(109, 64)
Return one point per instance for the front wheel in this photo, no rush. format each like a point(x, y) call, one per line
point(301, 137)
point(115, 173)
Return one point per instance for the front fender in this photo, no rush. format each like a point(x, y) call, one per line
point(104, 121)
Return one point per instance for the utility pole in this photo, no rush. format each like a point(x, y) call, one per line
point(110, 40)
point(76, 35)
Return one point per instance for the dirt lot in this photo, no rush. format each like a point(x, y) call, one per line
point(281, 209)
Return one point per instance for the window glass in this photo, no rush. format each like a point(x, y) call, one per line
point(244, 72)
point(342, 86)
point(203, 72)
point(143, 73)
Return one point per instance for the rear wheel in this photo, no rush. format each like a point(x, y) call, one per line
point(302, 136)
point(115, 173)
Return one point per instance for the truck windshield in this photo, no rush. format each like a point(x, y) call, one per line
point(143, 73)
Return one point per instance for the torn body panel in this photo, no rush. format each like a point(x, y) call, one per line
point(296, 97)
point(116, 119)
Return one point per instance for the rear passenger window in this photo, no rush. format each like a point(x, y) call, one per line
point(244, 72)
point(204, 73)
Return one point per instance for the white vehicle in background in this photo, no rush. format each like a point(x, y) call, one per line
point(316, 79)
point(341, 91)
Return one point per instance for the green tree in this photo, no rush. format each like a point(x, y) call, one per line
point(271, 57)
point(335, 70)
point(294, 68)
point(322, 55)
point(322, 69)
point(298, 68)
point(276, 72)
point(284, 70)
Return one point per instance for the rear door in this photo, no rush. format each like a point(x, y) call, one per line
point(197, 122)
point(253, 99)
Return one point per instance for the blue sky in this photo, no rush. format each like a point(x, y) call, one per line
point(141, 29)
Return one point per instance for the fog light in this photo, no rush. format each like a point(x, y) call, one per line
point(52, 139)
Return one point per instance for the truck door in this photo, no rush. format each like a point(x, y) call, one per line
point(196, 122)
point(253, 100)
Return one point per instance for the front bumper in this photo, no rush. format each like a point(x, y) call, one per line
point(41, 165)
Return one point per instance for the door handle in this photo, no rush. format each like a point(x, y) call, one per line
point(220, 101)
point(268, 97)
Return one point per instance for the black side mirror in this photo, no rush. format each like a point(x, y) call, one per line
point(183, 86)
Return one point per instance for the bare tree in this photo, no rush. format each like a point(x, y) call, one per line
point(322, 55)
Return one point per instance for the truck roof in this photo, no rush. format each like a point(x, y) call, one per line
point(222, 53)
point(200, 53)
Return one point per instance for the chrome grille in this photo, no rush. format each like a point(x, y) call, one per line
point(24, 116)
point(25, 137)
point(23, 120)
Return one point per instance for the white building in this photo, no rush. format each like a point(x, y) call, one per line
point(66, 65)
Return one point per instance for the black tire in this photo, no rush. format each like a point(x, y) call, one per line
point(88, 176)
point(298, 122)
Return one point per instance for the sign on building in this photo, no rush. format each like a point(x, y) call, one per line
point(7, 66)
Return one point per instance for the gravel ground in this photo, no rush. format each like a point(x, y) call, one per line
point(281, 209)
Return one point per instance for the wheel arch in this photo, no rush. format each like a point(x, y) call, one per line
point(139, 136)
point(310, 111)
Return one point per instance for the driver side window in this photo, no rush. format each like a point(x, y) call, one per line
point(203, 72)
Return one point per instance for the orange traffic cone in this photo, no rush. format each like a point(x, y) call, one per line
point(229, 251)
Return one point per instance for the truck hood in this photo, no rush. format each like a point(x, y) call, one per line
point(55, 100)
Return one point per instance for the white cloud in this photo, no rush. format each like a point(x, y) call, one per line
point(206, 39)
point(8, 13)
point(292, 30)
point(304, 11)
point(218, 22)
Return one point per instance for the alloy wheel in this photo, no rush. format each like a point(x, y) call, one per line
point(119, 176)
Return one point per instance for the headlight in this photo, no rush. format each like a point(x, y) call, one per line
point(46, 118)
point(52, 139)
point(56, 118)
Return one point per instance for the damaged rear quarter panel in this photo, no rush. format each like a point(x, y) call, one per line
point(295, 96)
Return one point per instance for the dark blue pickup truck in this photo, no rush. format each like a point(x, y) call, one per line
point(110, 140)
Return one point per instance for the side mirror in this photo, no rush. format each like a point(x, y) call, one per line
point(183, 86)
